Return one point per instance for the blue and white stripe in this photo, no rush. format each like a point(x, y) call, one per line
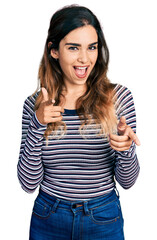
point(75, 167)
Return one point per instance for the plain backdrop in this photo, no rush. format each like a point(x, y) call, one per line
point(130, 30)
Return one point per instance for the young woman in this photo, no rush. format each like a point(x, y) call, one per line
point(78, 135)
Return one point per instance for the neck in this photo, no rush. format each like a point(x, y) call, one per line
point(75, 89)
point(71, 95)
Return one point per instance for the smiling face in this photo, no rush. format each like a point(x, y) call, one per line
point(77, 55)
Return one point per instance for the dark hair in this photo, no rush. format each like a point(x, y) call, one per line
point(98, 99)
point(70, 18)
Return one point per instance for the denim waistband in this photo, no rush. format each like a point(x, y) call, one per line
point(78, 205)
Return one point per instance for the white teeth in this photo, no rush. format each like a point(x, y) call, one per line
point(81, 68)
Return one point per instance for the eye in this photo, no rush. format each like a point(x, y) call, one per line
point(92, 47)
point(73, 48)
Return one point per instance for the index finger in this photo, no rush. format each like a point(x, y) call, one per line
point(129, 132)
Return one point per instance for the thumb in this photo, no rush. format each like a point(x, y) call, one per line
point(122, 125)
point(122, 120)
point(45, 94)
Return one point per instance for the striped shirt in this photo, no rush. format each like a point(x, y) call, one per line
point(75, 167)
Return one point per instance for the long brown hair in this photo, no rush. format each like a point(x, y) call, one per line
point(98, 99)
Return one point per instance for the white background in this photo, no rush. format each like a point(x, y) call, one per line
point(130, 30)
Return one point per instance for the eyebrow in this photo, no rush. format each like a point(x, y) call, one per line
point(78, 45)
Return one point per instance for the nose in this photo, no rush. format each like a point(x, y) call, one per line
point(83, 56)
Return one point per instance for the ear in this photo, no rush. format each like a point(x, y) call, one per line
point(54, 52)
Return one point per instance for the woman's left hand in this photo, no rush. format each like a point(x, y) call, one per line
point(123, 141)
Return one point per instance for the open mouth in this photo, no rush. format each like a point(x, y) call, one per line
point(81, 72)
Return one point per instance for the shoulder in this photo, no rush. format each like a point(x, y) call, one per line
point(124, 105)
point(29, 103)
point(121, 91)
point(122, 94)
point(123, 100)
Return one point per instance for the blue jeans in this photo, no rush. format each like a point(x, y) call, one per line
point(97, 219)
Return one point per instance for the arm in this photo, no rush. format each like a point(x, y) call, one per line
point(30, 168)
point(34, 124)
point(126, 162)
point(126, 167)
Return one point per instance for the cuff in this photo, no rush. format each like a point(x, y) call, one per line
point(36, 124)
point(128, 153)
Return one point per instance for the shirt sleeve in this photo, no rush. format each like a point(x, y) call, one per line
point(30, 169)
point(126, 163)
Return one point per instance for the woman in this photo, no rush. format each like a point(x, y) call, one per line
point(78, 135)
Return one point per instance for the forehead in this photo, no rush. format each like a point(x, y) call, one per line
point(85, 34)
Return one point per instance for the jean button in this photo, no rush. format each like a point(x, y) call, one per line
point(77, 205)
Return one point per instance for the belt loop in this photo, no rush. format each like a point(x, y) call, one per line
point(55, 205)
point(117, 193)
point(86, 211)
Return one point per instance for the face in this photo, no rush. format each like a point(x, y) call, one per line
point(77, 55)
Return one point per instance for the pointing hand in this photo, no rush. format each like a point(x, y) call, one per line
point(47, 113)
point(126, 135)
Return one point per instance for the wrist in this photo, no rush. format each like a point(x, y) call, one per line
point(39, 120)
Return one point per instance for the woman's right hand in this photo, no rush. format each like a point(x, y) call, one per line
point(47, 113)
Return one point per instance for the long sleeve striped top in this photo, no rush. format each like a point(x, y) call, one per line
point(75, 167)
